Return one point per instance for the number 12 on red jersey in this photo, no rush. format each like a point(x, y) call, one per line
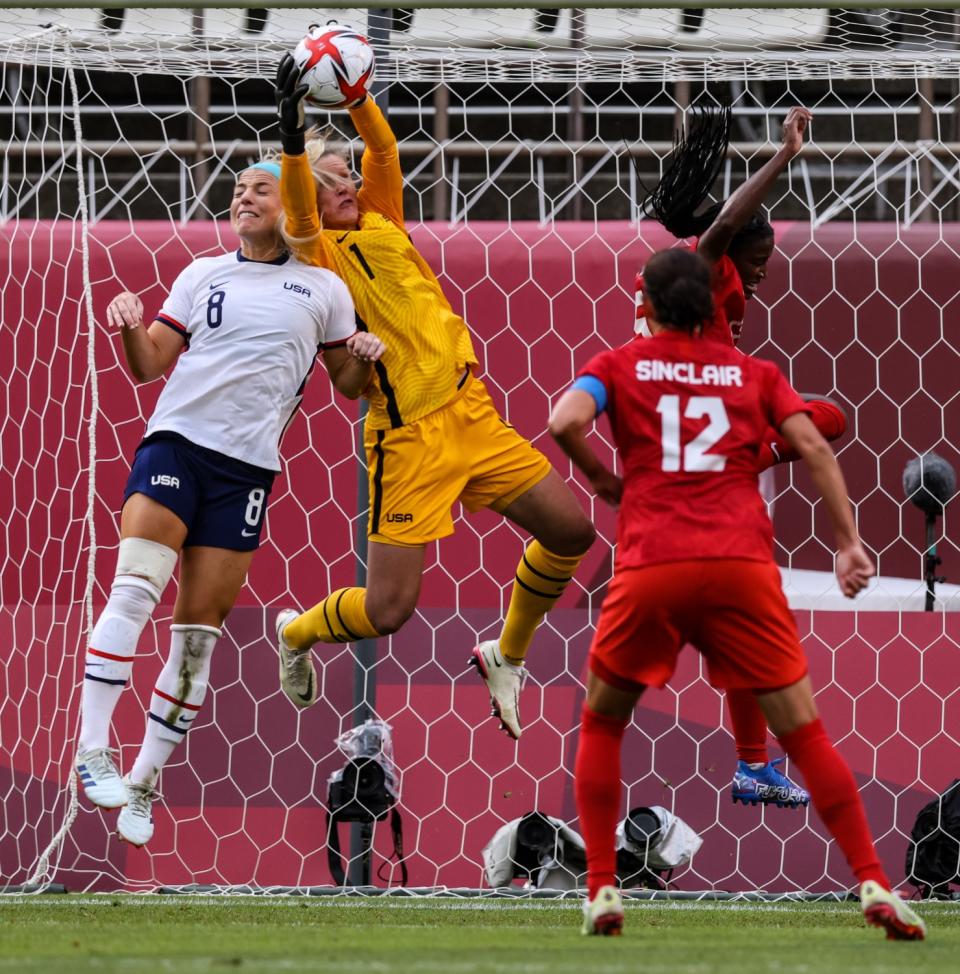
point(694, 454)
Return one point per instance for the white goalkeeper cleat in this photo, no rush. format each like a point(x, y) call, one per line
point(135, 821)
point(603, 915)
point(881, 908)
point(297, 675)
point(504, 681)
point(101, 781)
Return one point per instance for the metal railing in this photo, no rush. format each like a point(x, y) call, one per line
point(894, 169)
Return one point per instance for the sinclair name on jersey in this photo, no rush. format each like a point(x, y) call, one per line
point(691, 373)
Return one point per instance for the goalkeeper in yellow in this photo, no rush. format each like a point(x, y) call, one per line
point(432, 436)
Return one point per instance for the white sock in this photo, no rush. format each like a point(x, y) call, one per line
point(176, 699)
point(110, 655)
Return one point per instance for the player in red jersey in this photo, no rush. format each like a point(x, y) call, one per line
point(737, 242)
point(688, 417)
point(733, 237)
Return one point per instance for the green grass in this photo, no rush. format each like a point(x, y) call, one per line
point(134, 934)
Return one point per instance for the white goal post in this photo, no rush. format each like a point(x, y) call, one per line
point(527, 131)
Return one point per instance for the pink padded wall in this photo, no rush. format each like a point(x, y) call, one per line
point(868, 320)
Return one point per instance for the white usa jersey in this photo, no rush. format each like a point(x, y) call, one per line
point(253, 330)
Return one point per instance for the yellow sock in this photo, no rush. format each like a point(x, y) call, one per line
point(541, 579)
point(339, 618)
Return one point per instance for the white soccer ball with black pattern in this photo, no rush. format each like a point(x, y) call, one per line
point(337, 64)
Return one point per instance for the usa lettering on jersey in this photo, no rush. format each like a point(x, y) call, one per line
point(691, 373)
point(296, 288)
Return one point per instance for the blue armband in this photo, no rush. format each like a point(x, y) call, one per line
point(595, 388)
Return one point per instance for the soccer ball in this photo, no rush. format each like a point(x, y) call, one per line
point(337, 64)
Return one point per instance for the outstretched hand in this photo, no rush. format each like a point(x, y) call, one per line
point(794, 125)
point(289, 96)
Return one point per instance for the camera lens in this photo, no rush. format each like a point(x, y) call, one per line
point(368, 778)
point(642, 827)
point(536, 832)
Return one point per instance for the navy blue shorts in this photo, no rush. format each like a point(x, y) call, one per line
point(222, 501)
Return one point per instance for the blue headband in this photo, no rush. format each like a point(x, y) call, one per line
point(270, 167)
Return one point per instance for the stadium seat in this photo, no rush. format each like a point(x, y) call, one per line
point(292, 23)
point(649, 28)
point(485, 27)
point(761, 28)
point(32, 20)
point(714, 28)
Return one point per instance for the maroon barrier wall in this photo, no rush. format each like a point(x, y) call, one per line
point(867, 319)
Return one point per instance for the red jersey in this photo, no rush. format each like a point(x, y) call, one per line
point(729, 301)
point(688, 418)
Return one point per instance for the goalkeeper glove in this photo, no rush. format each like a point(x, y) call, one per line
point(289, 96)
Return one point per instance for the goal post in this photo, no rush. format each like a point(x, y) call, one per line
point(525, 141)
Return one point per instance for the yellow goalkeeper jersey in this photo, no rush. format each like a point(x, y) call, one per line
point(396, 294)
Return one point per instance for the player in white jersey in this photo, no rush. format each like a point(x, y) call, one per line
point(249, 325)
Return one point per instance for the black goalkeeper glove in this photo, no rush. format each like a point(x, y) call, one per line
point(289, 95)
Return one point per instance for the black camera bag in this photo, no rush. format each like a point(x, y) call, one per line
point(360, 795)
point(933, 852)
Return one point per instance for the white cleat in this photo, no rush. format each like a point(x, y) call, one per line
point(881, 908)
point(603, 915)
point(135, 821)
point(297, 675)
point(504, 681)
point(101, 781)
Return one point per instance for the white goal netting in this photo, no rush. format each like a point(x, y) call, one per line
point(122, 131)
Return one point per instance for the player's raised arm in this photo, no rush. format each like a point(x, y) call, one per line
point(698, 154)
point(382, 189)
point(747, 199)
point(854, 567)
point(298, 191)
point(149, 351)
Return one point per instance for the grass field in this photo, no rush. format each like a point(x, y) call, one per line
point(73, 934)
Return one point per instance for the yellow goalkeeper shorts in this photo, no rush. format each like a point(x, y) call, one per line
point(464, 452)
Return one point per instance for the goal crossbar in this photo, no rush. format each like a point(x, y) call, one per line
point(495, 4)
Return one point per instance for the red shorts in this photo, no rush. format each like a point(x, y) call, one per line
point(732, 610)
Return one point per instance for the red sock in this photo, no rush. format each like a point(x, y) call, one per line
point(749, 726)
point(827, 416)
point(835, 797)
point(596, 785)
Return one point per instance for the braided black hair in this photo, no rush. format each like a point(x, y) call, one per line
point(695, 164)
point(677, 283)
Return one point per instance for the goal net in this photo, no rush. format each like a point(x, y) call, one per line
point(518, 130)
